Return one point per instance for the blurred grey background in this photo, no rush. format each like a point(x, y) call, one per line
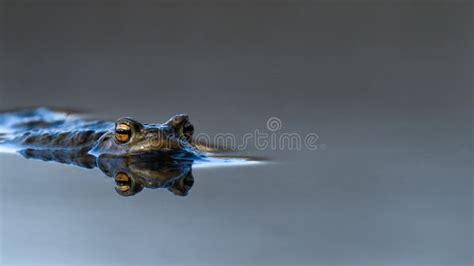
point(386, 85)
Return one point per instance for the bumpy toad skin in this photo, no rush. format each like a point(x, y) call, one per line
point(135, 155)
point(44, 130)
point(174, 135)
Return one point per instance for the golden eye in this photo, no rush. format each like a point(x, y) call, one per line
point(122, 180)
point(123, 133)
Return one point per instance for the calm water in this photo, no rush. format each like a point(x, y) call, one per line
point(387, 88)
point(397, 202)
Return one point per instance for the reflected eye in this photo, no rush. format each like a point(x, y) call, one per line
point(122, 181)
point(123, 133)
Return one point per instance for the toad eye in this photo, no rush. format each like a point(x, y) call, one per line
point(123, 182)
point(123, 132)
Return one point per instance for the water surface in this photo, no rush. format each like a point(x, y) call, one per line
point(387, 88)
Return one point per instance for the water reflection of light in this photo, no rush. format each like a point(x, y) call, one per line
point(218, 162)
point(8, 149)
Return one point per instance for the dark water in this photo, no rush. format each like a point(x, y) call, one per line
point(386, 87)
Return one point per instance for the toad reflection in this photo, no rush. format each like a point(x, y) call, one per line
point(132, 173)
